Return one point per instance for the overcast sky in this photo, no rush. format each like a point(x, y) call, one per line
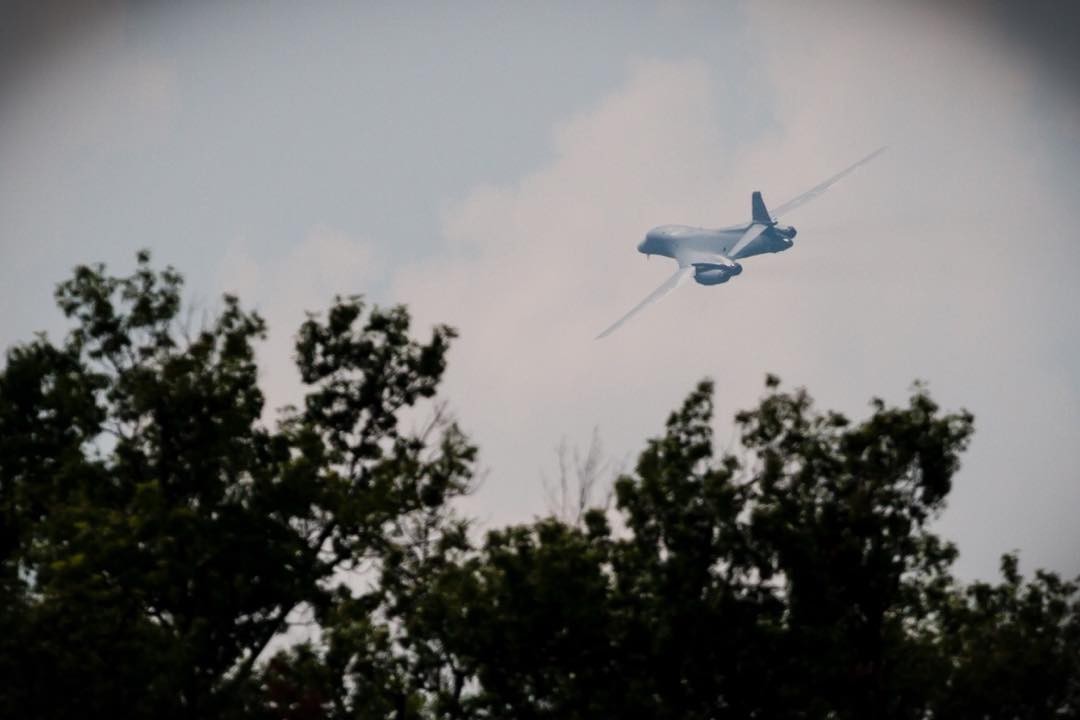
point(494, 167)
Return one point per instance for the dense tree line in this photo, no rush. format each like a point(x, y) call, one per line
point(162, 549)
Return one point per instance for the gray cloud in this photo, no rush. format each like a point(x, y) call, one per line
point(921, 266)
point(495, 170)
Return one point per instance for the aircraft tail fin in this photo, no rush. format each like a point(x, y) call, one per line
point(758, 211)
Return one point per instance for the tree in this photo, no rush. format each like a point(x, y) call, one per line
point(156, 535)
point(1015, 648)
point(799, 579)
point(158, 540)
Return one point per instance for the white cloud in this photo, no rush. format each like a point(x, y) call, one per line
point(957, 285)
point(532, 272)
point(910, 269)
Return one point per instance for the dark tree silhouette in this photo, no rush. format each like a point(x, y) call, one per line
point(158, 540)
point(156, 536)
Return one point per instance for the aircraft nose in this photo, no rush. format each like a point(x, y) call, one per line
point(641, 245)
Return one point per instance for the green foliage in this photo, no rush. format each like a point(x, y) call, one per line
point(1015, 648)
point(161, 546)
point(156, 535)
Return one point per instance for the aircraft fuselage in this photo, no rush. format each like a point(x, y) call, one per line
point(674, 241)
point(710, 251)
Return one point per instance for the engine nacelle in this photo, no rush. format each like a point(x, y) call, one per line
point(716, 274)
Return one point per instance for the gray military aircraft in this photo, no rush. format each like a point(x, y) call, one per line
point(711, 256)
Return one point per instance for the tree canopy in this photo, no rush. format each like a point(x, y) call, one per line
point(164, 552)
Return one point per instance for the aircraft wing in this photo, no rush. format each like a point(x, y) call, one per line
point(670, 284)
point(821, 187)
